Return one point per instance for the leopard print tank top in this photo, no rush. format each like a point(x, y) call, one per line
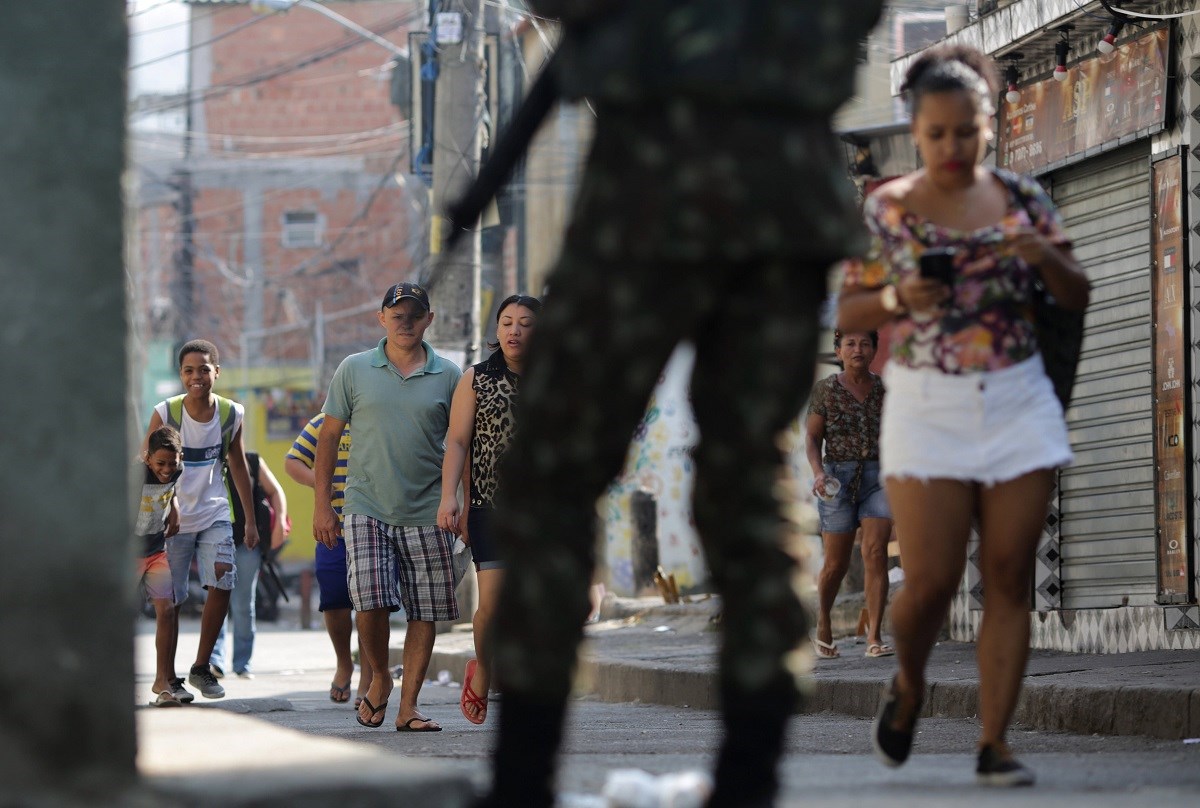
point(495, 405)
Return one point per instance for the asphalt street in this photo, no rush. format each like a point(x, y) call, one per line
point(828, 763)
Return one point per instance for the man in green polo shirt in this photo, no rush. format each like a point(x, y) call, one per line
point(397, 399)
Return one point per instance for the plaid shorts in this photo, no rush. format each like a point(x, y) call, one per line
point(379, 555)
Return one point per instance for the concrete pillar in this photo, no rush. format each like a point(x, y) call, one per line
point(66, 627)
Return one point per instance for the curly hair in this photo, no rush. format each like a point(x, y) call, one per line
point(165, 437)
point(200, 346)
point(950, 68)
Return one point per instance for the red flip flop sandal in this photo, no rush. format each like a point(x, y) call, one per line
point(470, 698)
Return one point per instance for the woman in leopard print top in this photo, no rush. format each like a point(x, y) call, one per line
point(482, 418)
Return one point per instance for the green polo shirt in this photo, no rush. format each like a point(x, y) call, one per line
point(399, 426)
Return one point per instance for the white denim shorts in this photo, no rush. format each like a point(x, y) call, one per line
point(987, 427)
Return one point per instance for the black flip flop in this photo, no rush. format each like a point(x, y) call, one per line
point(343, 691)
point(408, 725)
point(375, 711)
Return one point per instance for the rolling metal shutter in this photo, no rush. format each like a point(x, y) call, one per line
point(1107, 496)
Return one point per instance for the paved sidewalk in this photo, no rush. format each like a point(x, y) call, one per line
point(221, 754)
point(217, 753)
point(665, 654)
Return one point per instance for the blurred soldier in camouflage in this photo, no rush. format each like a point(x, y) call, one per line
point(714, 200)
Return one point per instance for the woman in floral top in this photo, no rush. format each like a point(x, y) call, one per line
point(972, 430)
point(844, 416)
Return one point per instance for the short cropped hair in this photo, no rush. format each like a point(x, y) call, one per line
point(199, 346)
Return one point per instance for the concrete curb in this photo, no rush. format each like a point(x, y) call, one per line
point(260, 765)
point(1171, 713)
point(378, 785)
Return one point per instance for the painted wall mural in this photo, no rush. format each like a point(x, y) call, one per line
point(660, 461)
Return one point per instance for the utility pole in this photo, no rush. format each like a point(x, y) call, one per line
point(457, 29)
point(184, 284)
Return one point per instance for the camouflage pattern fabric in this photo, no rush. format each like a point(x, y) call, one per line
point(713, 201)
point(670, 241)
point(602, 341)
point(773, 55)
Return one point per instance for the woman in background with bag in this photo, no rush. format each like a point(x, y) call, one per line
point(482, 420)
point(972, 429)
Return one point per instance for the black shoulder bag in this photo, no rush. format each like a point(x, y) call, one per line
point(1059, 331)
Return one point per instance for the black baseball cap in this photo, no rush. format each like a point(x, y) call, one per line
point(400, 291)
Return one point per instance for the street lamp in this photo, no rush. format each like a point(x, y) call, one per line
point(271, 6)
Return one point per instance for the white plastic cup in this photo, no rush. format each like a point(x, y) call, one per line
point(832, 487)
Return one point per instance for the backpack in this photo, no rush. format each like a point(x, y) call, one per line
point(224, 414)
point(264, 514)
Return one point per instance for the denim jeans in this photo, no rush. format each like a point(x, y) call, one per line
point(241, 612)
point(209, 547)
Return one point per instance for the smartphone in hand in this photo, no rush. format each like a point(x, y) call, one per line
point(937, 263)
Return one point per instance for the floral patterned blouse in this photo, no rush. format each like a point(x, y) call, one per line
point(987, 324)
point(851, 426)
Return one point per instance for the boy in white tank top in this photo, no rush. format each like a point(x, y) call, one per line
point(211, 428)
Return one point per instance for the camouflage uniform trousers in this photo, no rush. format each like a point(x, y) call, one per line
point(603, 338)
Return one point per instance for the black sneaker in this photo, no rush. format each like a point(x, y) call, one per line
point(892, 745)
point(201, 678)
point(994, 770)
point(181, 692)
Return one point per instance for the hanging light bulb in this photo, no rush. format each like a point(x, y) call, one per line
point(1109, 43)
point(1061, 49)
point(1013, 95)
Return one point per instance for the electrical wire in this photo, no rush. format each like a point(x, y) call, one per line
point(1177, 16)
point(279, 69)
point(349, 149)
point(301, 182)
point(240, 26)
point(361, 134)
point(130, 15)
point(193, 17)
point(364, 211)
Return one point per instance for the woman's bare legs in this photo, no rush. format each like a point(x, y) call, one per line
point(837, 547)
point(1011, 518)
point(875, 536)
point(489, 582)
point(933, 521)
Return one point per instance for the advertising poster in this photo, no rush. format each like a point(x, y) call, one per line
point(1171, 451)
point(1103, 98)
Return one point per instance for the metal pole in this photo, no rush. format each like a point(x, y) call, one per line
point(185, 283)
point(458, 116)
point(318, 347)
point(252, 295)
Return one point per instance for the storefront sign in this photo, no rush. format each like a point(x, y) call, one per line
point(1103, 98)
point(1168, 290)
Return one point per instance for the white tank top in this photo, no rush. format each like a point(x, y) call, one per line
point(203, 498)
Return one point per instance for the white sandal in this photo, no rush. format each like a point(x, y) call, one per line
point(166, 699)
point(879, 649)
point(826, 650)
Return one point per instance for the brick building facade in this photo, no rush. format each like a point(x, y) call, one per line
point(293, 168)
